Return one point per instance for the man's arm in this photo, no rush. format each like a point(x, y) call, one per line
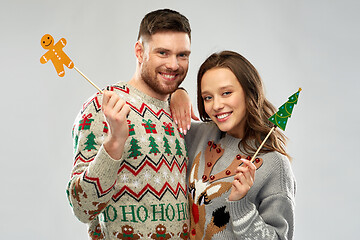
point(95, 170)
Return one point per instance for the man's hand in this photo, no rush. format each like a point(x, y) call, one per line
point(182, 110)
point(115, 111)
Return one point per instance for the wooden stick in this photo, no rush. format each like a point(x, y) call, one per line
point(88, 79)
point(262, 144)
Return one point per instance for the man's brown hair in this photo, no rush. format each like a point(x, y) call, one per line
point(163, 20)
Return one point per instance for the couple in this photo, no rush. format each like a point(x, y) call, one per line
point(134, 178)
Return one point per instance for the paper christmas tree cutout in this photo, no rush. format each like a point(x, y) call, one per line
point(280, 118)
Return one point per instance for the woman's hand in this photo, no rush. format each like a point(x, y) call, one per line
point(243, 180)
point(182, 110)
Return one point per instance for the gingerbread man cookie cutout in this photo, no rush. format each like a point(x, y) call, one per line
point(56, 54)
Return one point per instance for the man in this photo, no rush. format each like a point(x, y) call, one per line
point(128, 179)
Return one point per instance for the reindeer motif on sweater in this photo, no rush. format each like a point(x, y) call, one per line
point(205, 188)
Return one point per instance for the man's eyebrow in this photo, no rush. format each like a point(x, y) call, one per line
point(160, 49)
point(186, 52)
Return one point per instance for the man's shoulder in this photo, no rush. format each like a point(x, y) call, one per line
point(120, 87)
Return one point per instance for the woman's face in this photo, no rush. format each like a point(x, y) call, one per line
point(224, 100)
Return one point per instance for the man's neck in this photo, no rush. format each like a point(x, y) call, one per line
point(140, 85)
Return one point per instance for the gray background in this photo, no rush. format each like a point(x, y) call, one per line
point(309, 44)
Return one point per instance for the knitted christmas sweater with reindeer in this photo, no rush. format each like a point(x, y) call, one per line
point(143, 195)
point(266, 212)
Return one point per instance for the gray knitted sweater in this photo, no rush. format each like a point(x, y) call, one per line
point(266, 212)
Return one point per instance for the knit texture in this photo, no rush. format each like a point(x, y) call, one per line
point(142, 195)
point(266, 212)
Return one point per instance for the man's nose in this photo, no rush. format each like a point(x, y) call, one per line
point(172, 63)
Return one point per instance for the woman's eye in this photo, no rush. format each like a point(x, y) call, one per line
point(206, 98)
point(226, 93)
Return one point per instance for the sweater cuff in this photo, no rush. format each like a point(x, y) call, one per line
point(241, 208)
point(103, 171)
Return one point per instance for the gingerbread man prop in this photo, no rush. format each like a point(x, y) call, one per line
point(55, 54)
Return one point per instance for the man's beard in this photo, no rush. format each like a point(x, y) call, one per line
point(152, 81)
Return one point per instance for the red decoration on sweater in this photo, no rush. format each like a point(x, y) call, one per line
point(85, 122)
point(149, 127)
point(169, 130)
point(106, 128)
point(131, 128)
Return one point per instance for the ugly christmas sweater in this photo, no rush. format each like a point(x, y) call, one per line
point(143, 195)
point(266, 212)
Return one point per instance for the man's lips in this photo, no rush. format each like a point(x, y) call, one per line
point(168, 76)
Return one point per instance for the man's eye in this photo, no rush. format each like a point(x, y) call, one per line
point(183, 55)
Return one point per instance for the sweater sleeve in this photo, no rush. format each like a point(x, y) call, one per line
point(272, 215)
point(94, 172)
point(273, 220)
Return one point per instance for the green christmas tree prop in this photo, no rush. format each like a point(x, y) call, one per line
point(134, 149)
point(90, 142)
point(178, 148)
point(153, 146)
point(280, 118)
point(167, 146)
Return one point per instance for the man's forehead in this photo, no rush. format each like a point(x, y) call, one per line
point(169, 40)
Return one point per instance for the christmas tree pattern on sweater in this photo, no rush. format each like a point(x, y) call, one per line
point(154, 167)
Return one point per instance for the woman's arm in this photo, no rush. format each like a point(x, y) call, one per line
point(182, 110)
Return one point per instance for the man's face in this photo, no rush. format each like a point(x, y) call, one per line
point(165, 61)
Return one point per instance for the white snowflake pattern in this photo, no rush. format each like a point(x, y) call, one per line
point(165, 174)
point(124, 178)
point(147, 175)
point(136, 184)
point(260, 229)
point(157, 180)
point(172, 179)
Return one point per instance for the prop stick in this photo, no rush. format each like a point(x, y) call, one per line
point(58, 57)
point(279, 119)
point(262, 144)
point(88, 79)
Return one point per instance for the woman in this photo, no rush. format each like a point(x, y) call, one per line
point(228, 201)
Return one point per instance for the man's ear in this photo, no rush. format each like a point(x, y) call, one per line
point(139, 51)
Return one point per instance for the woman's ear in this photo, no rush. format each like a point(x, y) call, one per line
point(139, 51)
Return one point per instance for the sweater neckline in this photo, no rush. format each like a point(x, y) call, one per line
point(231, 142)
point(146, 98)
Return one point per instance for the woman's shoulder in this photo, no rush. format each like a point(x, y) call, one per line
point(201, 132)
point(202, 126)
point(278, 167)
